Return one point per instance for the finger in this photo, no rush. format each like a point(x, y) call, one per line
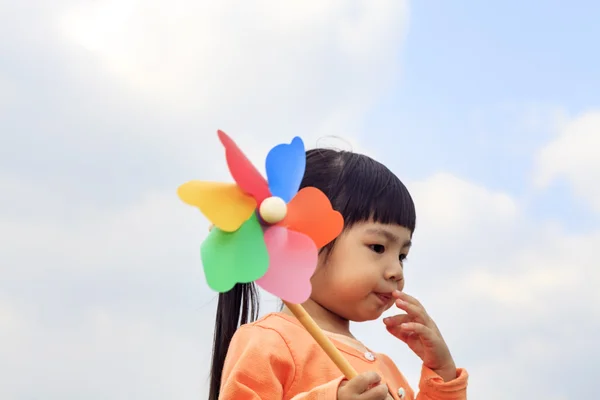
point(379, 392)
point(419, 315)
point(399, 333)
point(426, 334)
point(363, 382)
point(413, 310)
point(407, 298)
point(397, 320)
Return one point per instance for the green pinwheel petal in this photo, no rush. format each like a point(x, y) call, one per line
point(234, 257)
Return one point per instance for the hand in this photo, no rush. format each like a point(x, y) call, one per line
point(365, 386)
point(420, 333)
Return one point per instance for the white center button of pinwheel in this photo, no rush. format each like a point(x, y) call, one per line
point(273, 210)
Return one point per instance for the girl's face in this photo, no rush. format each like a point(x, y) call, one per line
point(356, 280)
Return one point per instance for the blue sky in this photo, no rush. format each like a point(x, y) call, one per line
point(472, 76)
point(106, 106)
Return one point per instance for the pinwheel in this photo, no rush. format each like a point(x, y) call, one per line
point(277, 246)
point(267, 230)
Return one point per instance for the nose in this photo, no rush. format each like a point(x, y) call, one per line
point(395, 272)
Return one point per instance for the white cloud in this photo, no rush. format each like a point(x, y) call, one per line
point(147, 84)
point(106, 353)
point(255, 69)
point(210, 51)
point(573, 156)
point(11, 324)
point(109, 304)
point(454, 204)
point(450, 212)
point(7, 93)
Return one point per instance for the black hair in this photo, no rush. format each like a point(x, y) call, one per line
point(361, 189)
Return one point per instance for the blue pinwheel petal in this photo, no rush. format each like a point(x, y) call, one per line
point(285, 166)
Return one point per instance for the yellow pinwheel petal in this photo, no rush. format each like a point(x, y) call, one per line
point(224, 204)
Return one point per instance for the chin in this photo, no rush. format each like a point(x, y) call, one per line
point(371, 315)
point(358, 312)
point(377, 313)
point(358, 316)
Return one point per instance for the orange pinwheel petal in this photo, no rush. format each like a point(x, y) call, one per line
point(310, 212)
point(224, 204)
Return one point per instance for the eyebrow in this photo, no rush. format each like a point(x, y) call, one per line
point(389, 236)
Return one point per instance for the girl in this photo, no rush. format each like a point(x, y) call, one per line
point(359, 276)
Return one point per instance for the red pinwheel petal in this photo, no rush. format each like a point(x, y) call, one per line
point(243, 172)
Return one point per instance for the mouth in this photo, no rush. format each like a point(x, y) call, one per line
point(384, 297)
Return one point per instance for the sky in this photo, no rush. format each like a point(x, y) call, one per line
point(489, 112)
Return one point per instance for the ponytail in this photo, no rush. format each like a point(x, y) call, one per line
point(237, 307)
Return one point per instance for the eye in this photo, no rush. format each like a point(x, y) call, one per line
point(377, 248)
point(402, 258)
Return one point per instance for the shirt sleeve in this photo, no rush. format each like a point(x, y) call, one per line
point(433, 387)
point(260, 366)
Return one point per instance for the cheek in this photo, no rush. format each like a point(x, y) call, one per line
point(401, 285)
point(355, 282)
point(346, 271)
point(337, 279)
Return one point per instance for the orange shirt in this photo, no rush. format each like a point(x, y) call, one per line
point(276, 358)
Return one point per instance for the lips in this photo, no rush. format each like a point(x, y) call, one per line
point(384, 297)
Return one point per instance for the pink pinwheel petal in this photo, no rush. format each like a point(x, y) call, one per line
point(292, 261)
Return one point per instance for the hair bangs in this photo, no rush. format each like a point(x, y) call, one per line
point(360, 188)
point(372, 192)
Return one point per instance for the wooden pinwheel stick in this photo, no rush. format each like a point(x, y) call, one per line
point(311, 326)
